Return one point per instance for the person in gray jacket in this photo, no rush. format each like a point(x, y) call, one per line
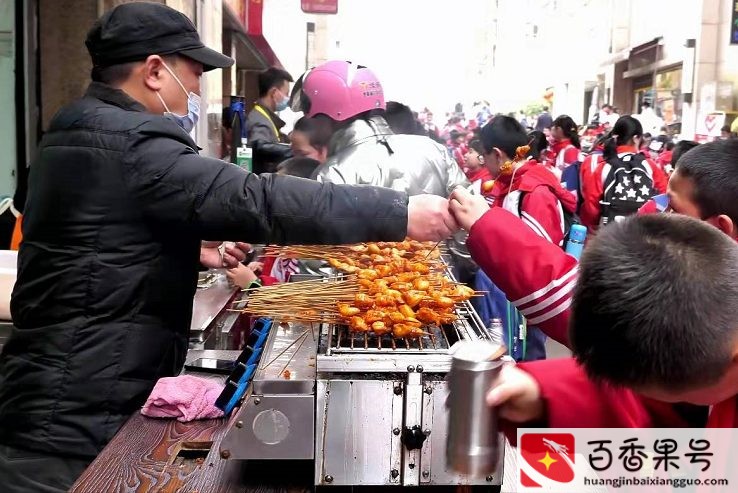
point(363, 150)
point(264, 127)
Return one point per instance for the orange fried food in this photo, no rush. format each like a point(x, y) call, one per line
point(406, 311)
point(413, 298)
point(366, 283)
point(347, 310)
point(443, 301)
point(488, 185)
point(419, 267)
point(384, 300)
point(460, 291)
point(421, 284)
point(368, 274)
point(521, 153)
point(404, 330)
point(374, 249)
point(428, 316)
point(363, 301)
point(374, 316)
point(447, 318)
point(401, 286)
point(407, 276)
point(380, 328)
point(395, 317)
point(383, 270)
point(396, 295)
point(358, 324)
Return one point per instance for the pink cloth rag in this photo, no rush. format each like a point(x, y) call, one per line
point(185, 397)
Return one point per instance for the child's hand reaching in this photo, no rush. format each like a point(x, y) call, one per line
point(467, 208)
point(241, 276)
point(517, 396)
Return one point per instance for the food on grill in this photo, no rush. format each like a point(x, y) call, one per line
point(391, 288)
point(404, 330)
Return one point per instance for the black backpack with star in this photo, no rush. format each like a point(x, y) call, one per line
point(627, 187)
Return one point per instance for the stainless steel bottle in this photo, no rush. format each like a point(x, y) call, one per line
point(472, 446)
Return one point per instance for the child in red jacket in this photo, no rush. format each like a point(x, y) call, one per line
point(527, 189)
point(654, 323)
point(704, 186)
point(619, 181)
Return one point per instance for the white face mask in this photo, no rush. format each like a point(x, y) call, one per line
point(188, 121)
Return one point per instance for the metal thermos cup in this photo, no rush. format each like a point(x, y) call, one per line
point(472, 446)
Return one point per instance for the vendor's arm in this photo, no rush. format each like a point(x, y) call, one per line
point(536, 275)
point(177, 187)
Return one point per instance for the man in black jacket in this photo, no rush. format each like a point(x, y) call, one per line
point(264, 127)
point(119, 202)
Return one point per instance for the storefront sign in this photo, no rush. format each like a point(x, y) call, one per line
point(709, 126)
point(319, 6)
point(734, 23)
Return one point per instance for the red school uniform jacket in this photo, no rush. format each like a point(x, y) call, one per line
point(535, 195)
point(565, 154)
point(478, 178)
point(540, 285)
point(593, 174)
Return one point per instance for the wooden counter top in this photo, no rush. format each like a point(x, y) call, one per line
point(150, 455)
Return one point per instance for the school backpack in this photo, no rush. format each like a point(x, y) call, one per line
point(627, 186)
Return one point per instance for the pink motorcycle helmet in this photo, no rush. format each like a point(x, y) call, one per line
point(337, 89)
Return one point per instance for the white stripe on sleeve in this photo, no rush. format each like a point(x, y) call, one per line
point(550, 286)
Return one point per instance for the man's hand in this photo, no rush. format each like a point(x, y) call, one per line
point(517, 396)
point(216, 255)
point(467, 208)
point(429, 219)
point(241, 276)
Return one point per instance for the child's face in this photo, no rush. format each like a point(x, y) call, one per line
point(494, 160)
point(681, 193)
point(473, 160)
point(301, 147)
point(557, 133)
point(681, 201)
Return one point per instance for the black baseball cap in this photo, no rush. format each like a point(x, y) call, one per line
point(132, 31)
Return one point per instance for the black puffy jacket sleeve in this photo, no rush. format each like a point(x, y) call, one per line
point(180, 190)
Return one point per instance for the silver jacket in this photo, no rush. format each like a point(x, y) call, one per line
point(368, 153)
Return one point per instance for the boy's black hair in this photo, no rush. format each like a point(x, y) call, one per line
point(713, 170)
point(477, 146)
point(669, 146)
point(680, 148)
point(402, 120)
point(656, 303)
point(725, 128)
point(318, 131)
point(298, 166)
point(272, 77)
point(505, 133)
